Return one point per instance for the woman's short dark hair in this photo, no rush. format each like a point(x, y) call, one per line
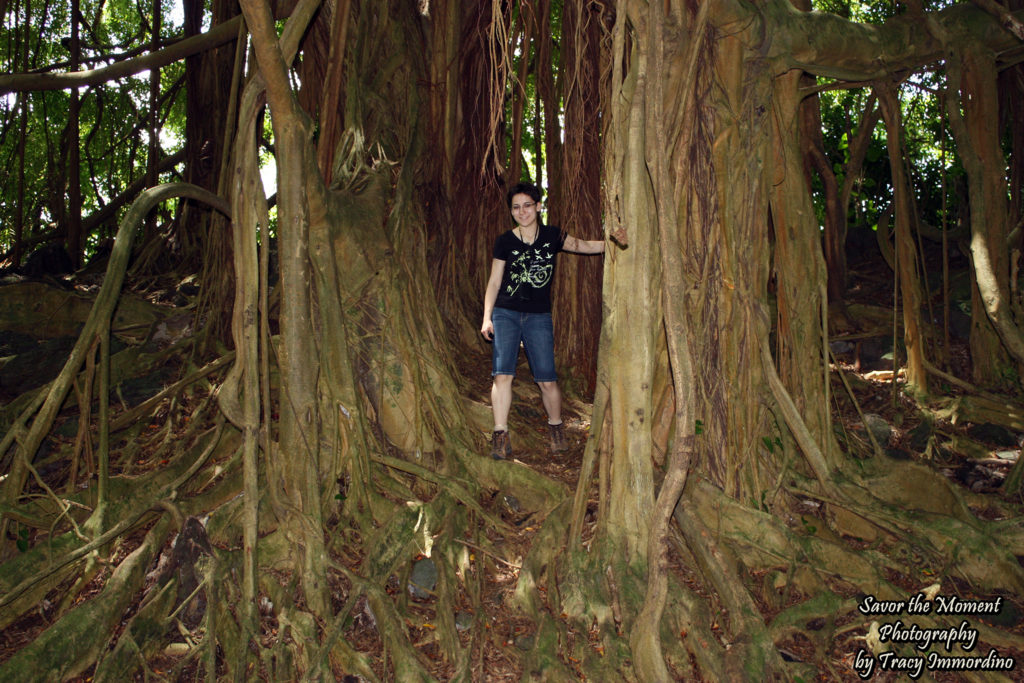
point(529, 189)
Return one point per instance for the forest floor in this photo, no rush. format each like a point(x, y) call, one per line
point(861, 358)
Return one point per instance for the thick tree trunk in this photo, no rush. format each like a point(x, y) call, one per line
point(907, 263)
point(668, 185)
point(209, 128)
point(974, 117)
point(293, 471)
point(631, 330)
point(728, 258)
point(799, 265)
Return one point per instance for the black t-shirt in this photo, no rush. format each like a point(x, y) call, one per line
point(529, 269)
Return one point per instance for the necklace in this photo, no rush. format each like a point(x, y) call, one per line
point(523, 239)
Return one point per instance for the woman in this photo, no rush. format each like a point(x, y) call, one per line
point(517, 308)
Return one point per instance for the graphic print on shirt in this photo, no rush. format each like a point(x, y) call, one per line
point(530, 267)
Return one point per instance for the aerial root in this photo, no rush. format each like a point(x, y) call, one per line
point(534, 492)
point(915, 505)
point(975, 553)
point(753, 655)
point(461, 490)
point(391, 628)
point(21, 573)
point(333, 648)
point(923, 544)
point(83, 632)
point(141, 637)
point(687, 640)
point(767, 542)
point(539, 570)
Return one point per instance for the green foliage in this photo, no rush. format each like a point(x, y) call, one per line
point(809, 528)
point(870, 12)
point(857, 11)
point(113, 118)
point(1010, 375)
point(928, 147)
point(533, 139)
point(771, 444)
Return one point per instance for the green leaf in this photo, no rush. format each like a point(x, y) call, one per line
point(22, 541)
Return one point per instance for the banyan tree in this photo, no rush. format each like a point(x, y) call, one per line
point(323, 437)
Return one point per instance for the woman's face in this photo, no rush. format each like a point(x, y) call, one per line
point(524, 210)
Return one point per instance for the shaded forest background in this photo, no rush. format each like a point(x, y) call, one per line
point(245, 246)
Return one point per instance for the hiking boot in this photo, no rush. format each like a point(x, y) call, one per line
point(501, 445)
point(556, 437)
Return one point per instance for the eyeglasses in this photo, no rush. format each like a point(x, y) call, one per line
point(527, 205)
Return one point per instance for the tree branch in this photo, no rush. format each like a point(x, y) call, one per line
point(1006, 20)
point(110, 209)
point(828, 45)
point(218, 35)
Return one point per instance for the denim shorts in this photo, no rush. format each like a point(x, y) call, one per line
point(536, 333)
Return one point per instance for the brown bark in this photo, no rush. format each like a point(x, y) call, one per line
point(728, 258)
point(834, 234)
point(645, 637)
point(294, 469)
point(330, 106)
point(907, 266)
point(578, 289)
point(799, 265)
point(209, 127)
point(630, 332)
point(479, 212)
point(207, 123)
point(700, 175)
point(973, 116)
point(834, 229)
